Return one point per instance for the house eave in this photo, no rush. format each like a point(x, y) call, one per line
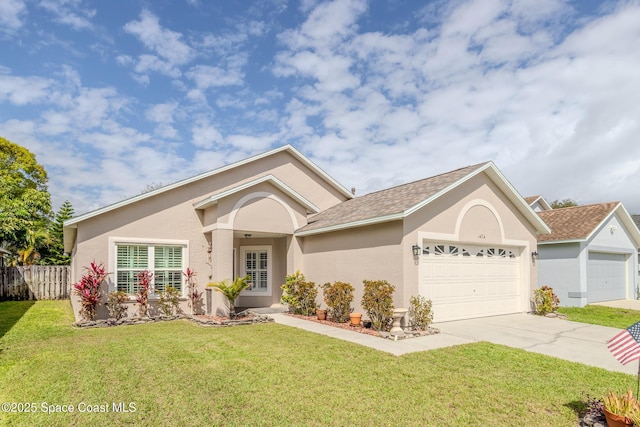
point(553, 242)
point(354, 224)
point(212, 200)
point(500, 180)
point(292, 150)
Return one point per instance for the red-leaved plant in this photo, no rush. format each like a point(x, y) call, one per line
point(192, 292)
point(142, 297)
point(88, 288)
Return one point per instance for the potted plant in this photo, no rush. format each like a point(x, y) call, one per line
point(355, 318)
point(321, 313)
point(620, 408)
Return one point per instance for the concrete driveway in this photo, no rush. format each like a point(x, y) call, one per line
point(577, 342)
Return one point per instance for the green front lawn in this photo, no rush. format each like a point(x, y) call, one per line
point(178, 373)
point(600, 315)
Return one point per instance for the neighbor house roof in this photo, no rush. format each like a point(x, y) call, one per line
point(636, 219)
point(579, 223)
point(532, 200)
point(398, 202)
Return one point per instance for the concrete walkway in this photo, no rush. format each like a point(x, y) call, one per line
point(573, 341)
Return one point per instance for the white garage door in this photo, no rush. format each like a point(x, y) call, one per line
point(465, 281)
point(606, 277)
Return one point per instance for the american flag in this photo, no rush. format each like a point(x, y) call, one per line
point(625, 346)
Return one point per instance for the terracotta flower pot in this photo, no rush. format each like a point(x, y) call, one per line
point(615, 420)
point(355, 318)
point(322, 314)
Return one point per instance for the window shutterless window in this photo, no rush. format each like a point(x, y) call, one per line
point(166, 262)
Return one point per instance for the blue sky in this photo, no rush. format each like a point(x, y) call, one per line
point(114, 96)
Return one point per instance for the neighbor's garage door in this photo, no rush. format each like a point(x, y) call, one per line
point(606, 276)
point(466, 281)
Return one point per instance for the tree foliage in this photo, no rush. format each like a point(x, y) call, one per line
point(25, 203)
point(55, 252)
point(566, 203)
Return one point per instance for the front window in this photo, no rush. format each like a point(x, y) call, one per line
point(165, 261)
point(256, 263)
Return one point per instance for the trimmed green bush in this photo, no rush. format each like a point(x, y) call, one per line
point(338, 297)
point(420, 312)
point(299, 294)
point(378, 303)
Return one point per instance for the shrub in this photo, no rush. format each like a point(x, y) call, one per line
point(231, 290)
point(420, 312)
point(338, 297)
point(116, 304)
point(545, 301)
point(169, 301)
point(378, 303)
point(142, 297)
point(194, 295)
point(88, 288)
point(300, 294)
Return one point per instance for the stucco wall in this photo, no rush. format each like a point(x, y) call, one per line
point(353, 255)
point(476, 212)
point(171, 216)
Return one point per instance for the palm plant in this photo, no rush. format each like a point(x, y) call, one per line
point(231, 290)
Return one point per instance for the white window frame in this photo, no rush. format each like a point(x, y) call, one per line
point(242, 272)
point(150, 243)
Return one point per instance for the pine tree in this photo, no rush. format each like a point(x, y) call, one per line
point(56, 255)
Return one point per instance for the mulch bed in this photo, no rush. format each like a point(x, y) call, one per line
point(368, 331)
point(346, 325)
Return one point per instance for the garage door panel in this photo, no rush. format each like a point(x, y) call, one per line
point(606, 276)
point(470, 286)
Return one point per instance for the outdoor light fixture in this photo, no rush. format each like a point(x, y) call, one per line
point(534, 255)
point(416, 250)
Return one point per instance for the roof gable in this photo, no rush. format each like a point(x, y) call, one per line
point(213, 199)
point(288, 148)
point(398, 202)
point(579, 223)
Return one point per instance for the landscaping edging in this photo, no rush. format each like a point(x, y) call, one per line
point(200, 320)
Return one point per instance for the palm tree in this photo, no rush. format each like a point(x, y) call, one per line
point(34, 240)
point(231, 290)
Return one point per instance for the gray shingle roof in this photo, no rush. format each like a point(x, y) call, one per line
point(391, 201)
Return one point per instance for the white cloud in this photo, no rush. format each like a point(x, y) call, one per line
point(204, 134)
point(70, 12)
point(165, 43)
point(24, 90)
point(11, 12)
point(206, 76)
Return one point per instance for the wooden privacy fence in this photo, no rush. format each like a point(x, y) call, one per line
point(35, 282)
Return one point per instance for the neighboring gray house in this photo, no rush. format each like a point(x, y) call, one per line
point(590, 255)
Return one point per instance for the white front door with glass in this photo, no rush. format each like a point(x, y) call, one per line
point(256, 263)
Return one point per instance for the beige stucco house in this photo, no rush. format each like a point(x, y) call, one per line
point(464, 239)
